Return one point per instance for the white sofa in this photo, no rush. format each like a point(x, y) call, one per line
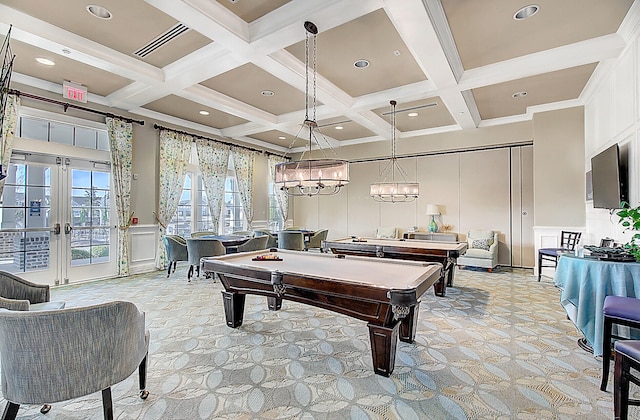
point(482, 250)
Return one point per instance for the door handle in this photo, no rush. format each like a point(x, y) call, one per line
point(56, 229)
point(67, 228)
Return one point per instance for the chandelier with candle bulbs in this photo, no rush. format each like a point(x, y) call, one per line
point(309, 177)
point(392, 190)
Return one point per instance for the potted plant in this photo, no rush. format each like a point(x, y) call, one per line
point(630, 219)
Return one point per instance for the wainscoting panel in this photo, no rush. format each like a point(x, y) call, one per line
point(144, 240)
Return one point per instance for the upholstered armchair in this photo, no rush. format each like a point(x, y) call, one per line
point(198, 248)
point(291, 240)
point(482, 250)
point(254, 244)
point(176, 247)
point(272, 242)
point(202, 233)
point(386, 233)
point(18, 294)
point(315, 241)
point(52, 356)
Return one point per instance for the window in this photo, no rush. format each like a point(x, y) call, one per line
point(193, 212)
point(63, 133)
point(275, 218)
point(234, 218)
point(181, 221)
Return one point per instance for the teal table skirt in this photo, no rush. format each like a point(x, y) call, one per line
point(584, 284)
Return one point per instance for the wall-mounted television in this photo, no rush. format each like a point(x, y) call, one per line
point(609, 179)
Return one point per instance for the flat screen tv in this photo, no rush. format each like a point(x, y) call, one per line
point(609, 179)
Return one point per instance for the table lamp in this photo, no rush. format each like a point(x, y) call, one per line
point(433, 211)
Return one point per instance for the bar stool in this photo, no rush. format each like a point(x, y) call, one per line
point(618, 310)
point(627, 357)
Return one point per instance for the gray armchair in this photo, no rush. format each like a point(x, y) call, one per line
point(254, 244)
point(52, 356)
point(18, 294)
point(316, 239)
point(291, 240)
point(202, 233)
point(176, 247)
point(198, 248)
point(272, 242)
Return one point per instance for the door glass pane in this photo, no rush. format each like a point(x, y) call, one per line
point(26, 203)
point(90, 237)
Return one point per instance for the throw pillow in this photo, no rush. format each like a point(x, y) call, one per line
point(481, 244)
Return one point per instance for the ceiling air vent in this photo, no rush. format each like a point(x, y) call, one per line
point(169, 35)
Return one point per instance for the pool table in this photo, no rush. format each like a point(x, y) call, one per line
point(446, 253)
point(382, 292)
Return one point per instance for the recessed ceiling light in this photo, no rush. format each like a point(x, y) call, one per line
point(412, 114)
point(396, 53)
point(526, 12)
point(203, 112)
point(339, 127)
point(267, 93)
point(361, 64)
point(45, 61)
point(99, 12)
point(519, 94)
point(282, 138)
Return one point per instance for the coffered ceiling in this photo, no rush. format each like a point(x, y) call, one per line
point(450, 64)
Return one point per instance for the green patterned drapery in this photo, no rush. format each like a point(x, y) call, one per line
point(8, 133)
point(213, 159)
point(121, 149)
point(281, 197)
point(175, 149)
point(243, 160)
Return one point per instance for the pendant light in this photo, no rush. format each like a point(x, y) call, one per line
point(394, 191)
point(309, 177)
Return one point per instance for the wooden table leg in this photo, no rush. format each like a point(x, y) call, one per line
point(384, 341)
point(233, 308)
point(408, 325)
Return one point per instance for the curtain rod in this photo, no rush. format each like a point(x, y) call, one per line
point(67, 105)
point(159, 127)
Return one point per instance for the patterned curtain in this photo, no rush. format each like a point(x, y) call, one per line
point(213, 159)
point(243, 162)
point(8, 133)
point(175, 149)
point(281, 197)
point(121, 148)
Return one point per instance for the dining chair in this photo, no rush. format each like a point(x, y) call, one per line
point(627, 358)
point(272, 242)
point(291, 240)
point(315, 241)
point(198, 248)
point(617, 310)
point(254, 244)
point(568, 242)
point(203, 233)
point(58, 355)
point(18, 294)
point(176, 247)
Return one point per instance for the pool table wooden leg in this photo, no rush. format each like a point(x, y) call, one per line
point(274, 303)
point(440, 287)
point(384, 341)
point(233, 308)
point(408, 325)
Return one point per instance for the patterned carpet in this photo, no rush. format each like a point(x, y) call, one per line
point(498, 346)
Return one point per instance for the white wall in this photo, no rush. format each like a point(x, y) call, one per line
point(612, 115)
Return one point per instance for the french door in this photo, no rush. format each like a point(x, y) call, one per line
point(55, 220)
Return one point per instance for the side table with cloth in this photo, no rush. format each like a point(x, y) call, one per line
point(585, 283)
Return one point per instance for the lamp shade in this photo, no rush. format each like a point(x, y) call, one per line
point(432, 209)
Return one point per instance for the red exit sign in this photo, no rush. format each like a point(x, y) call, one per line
point(74, 92)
